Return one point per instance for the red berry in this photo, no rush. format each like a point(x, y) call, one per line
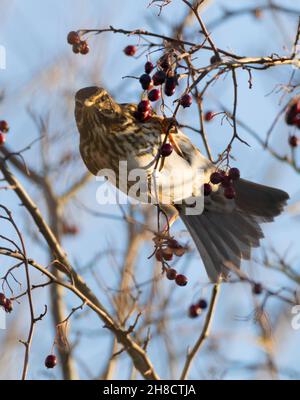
point(234, 174)
point(229, 192)
point(216, 178)
point(202, 304)
point(144, 106)
point(170, 86)
point(209, 116)
point(154, 95)
point(166, 150)
point(143, 116)
point(169, 92)
point(171, 274)
point(69, 229)
point(181, 280)
point(194, 311)
point(159, 255)
point(179, 252)
point(8, 306)
point(76, 48)
point(4, 126)
point(2, 299)
point(159, 78)
point(226, 181)
point(51, 361)
point(73, 38)
point(257, 288)
point(167, 253)
point(214, 59)
point(149, 67)
point(294, 141)
point(207, 189)
point(186, 100)
point(2, 139)
point(84, 48)
point(145, 81)
point(130, 50)
point(173, 244)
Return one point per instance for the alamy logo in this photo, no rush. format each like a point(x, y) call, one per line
point(296, 319)
point(161, 187)
point(2, 57)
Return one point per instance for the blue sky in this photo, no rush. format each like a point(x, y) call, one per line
point(34, 35)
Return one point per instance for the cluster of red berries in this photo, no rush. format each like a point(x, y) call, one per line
point(6, 303)
point(164, 78)
point(292, 117)
point(167, 250)
point(196, 309)
point(78, 46)
point(50, 361)
point(4, 128)
point(180, 280)
point(170, 248)
point(226, 180)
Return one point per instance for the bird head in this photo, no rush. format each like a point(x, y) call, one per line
point(95, 98)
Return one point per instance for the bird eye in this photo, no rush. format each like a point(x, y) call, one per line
point(104, 97)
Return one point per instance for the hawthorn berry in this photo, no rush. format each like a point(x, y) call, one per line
point(181, 280)
point(207, 189)
point(2, 299)
point(173, 244)
point(8, 306)
point(2, 139)
point(186, 100)
point(209, 116)
point(292, 116)
point(171, 274)
point(167, 254)
point(144, 106)
point(234, 174)
point(179, 251)
point(50, 361)
point(166, 150)
point(130, 50)
point(143, 116)
point(73, 38)
point(214, 59)
point(154, 95)
point(226, 181)
point(69, 229)
point(84, 48)
point(159, 255)
point(76, 48)
point(159, 78)
point(170, 86)
point(294, 141)
point(229, 192)
point(145, 81)
point(216, 178)
point(4, 127)
point(257, 288)
point(202, 304)
point(149, 67)
point(194, 311)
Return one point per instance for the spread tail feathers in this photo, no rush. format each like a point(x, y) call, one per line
point(229, 236)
